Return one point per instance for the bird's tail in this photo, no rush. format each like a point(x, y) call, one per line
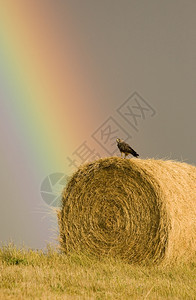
point(135, 154)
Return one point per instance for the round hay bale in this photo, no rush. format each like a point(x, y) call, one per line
point(139, 210)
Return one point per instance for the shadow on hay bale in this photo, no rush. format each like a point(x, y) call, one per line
point(139, 210)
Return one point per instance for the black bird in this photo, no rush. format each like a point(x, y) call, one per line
point(125, 148)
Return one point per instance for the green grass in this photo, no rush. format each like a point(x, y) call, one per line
point(28, 274)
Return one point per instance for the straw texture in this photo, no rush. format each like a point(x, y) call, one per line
point(139, 210)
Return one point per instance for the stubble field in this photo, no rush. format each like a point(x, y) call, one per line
point(28, 274)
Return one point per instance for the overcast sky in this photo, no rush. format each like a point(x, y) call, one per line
point(137, 52)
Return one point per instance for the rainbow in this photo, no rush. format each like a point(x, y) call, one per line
point(43, 85)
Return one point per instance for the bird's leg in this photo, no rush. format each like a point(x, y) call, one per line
point(121, 154)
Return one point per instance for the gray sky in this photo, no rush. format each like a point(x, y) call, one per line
point(148, 47)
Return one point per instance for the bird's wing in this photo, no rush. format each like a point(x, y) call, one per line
point(128, 147)
point(132, 151)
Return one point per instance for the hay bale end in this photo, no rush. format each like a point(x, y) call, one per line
point(139, 210)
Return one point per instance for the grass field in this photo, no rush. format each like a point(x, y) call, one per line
point(28, 274)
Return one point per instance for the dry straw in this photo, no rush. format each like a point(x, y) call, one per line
point(139, 210)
